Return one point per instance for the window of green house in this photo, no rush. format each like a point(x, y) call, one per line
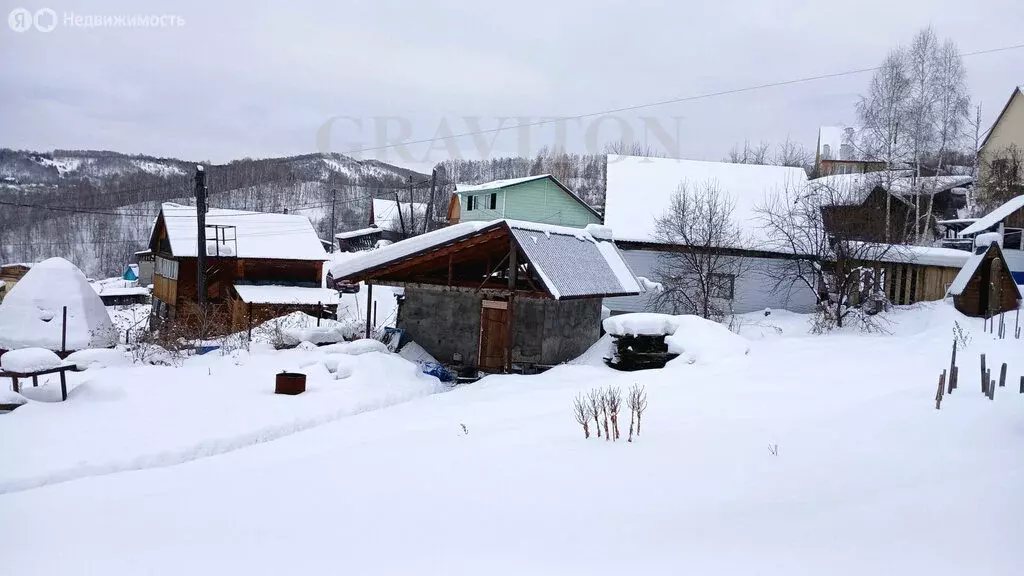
point(494, 200)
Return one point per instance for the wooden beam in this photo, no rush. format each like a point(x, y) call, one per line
point(454, 247)
point(513, 269)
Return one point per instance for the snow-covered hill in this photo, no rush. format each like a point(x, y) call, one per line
point(95, 208)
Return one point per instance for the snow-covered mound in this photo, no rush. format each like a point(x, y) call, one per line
point(11, 398)
point(297, 327)
point(28, 360)
point(31, 315)
point(98, 358)
point(692, 337)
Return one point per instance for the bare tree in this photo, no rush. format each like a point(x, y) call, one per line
point(791, 153)
point(613, 398)
point(1003, 173)
point(636, 400)
point(750, 154)
point(582, 412)
point(698, 273)
point(844, 274)
point(882, 113)
point(922, 59)
point(628, 148)
point(595, 409)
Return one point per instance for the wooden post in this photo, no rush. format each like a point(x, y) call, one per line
point(64, 331)
point(992, 390)
point(17, 389)
point(369, 309)
point(513, 271)
point(63, 386)
point(954, 378)
point(984, 377)
point(938, 393)
point(250, 321)
point(1002, 375)
point(952, 368)
point(374, 314)
point(1022, 384)
point(319, 312)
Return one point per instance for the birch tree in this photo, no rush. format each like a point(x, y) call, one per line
point(882, 113)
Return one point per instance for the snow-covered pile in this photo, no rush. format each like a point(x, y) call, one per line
point(28, 360)
point(692, 337)
point(290, 330)
point(11, 398)
point(98, 358)
point(31, 314)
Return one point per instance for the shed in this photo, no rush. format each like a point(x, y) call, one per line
point(498, 295)
point(984, 287)
point(131, 273)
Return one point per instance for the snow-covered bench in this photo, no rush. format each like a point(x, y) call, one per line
point(33, 363)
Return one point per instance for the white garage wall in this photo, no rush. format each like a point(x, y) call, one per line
point(755, 290)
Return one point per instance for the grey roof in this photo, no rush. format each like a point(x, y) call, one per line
point(573, 264)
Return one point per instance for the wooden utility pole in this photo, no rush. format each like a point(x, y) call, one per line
point(401, 219)
point(334, 200)
point(430, 206)
point(513, 269)
point(369, 307)
point(200, 178)
point(412, 211)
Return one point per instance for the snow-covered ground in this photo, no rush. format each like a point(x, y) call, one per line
point(808, 455)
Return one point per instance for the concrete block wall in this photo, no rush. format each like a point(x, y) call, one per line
point(546, 331)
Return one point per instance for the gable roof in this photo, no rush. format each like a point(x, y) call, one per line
point(508, 183)
point(640, 189)
point(1017, 90)
point(963, 277)
point(996, 216)
point(570, 262)
point(257, 234)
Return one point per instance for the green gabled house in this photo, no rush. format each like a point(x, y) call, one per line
point(542, 199)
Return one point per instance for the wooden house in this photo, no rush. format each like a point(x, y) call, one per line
point(911, 274)
point(10, 274)
point(279, 253)
point(839, 153)
point(1008, 222)
point(144, 259)
point(358, 240)
point(498, 295)
point(542, 199)
point(640, 191)
point(1004, 142)
point(984, 286)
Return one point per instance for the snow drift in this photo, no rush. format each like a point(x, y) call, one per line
point(31, 315)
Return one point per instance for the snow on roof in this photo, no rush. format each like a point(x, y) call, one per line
point(923, 255)
point(357, 233)
point(256, 234)
point(497, 184)
point(386, 215)
point(574, 264)
point(569, 261)
point(852, 189)
point(104, 290)
point(929, 184)
point(996, 216)
point(31, 314)
point(965, 274)
point(398, 250)
point(640, 189)
point(297, 295)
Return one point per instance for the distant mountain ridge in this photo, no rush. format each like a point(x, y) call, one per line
point(95, 207)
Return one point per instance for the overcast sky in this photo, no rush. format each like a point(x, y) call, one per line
point(264, 79)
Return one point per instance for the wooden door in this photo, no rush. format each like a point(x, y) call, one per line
point(493, 335)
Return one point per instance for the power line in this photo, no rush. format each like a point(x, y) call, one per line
point(705, 96)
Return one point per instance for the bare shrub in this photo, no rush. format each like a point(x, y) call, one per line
point(613, 399)
point(581, 409)
point(594, 399)
point(636, 400)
